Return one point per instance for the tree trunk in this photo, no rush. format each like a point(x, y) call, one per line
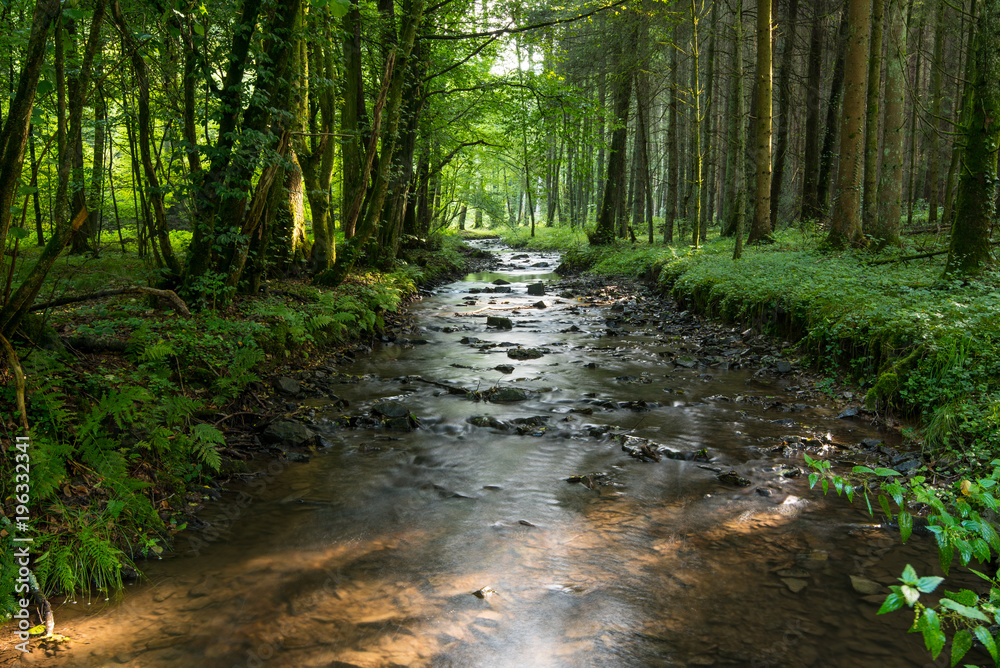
point(814, 81)
point(353, 120)
point(914, 113)
point(886, 229)
point(872, 116)
point(760, 229)
point(784, 111)
point(14, 134)
point(934, 161)
point(969, 253)
point(673, 173)
point(826, 158)
point(614, 184)
point(739, 206)
point(845, 228)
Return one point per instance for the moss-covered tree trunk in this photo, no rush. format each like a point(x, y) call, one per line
point(969, 253)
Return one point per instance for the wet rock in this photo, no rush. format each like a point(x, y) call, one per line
point(287, 386)
point(764, 491)
point(500, 281)
point(524, 353)
point(540, 305)
point(686, 361)
point(536, 289)
point(488, 421)
point(731, 477)
point(789, 472)
point(848, 412)
point(784, 422)
point(866, 587)
point(871, 443)
point(470, 339)
point(507, 395)
point(399, 424)
point(783, 366)
point(908, 465)
point(297, 457)
point(391, 409)
point(287, 432)
point(795, 585)
point(499, 322)
point(504, 368)
point(484, 593)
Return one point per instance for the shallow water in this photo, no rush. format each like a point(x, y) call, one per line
point(368, 554)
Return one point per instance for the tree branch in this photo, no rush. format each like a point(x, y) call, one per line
point(533, 26)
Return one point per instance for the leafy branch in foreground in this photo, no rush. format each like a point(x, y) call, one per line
point(957, 524)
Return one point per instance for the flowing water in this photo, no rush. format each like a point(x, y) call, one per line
point(369, 554)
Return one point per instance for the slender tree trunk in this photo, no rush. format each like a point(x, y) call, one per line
point(673, 172)
point(914, 113)
point(826, 159)
point(814, 81)
point(760, 230)
point(872, 116)
point(353, 120)
point(934, 166)
point(784, 111)
point(845, 228)
point(739, 167)
point(696, 128)
point(614, 185)
point(886, 229)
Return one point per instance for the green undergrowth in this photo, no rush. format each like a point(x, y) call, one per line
point(124, 436)
point(545, 239)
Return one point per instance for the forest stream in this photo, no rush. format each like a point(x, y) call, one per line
point(629, 490)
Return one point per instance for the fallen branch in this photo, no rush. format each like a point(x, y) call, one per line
point(919, 256)
point(170, 296)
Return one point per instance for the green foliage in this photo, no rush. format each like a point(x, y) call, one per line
point(959, 519)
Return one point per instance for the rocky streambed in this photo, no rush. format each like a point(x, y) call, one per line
point(543, 472)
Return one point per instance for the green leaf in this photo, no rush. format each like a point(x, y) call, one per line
point(910, 594)
point(826, 486)
point(964, 551)
point(884, 502)
point(27, 190)
point(905, 524)
point(198, 28)
point(945, 554)
point(929, 583)
point(893, 601)
point(45, 86)
point(813, 477)
point(849, 491)
point(964, 610)
point(961, 643)
point(19, 232)
point(863, 469)
point(884, 472)
point(986, 638)
point(934, 637)
point(963, 596)
point(909, 575)
point(868, 502)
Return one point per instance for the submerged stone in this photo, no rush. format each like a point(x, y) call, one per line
point(524, 353)
point(498, 322)
point(507, 394)
point(536, 289)
point(391, 409)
